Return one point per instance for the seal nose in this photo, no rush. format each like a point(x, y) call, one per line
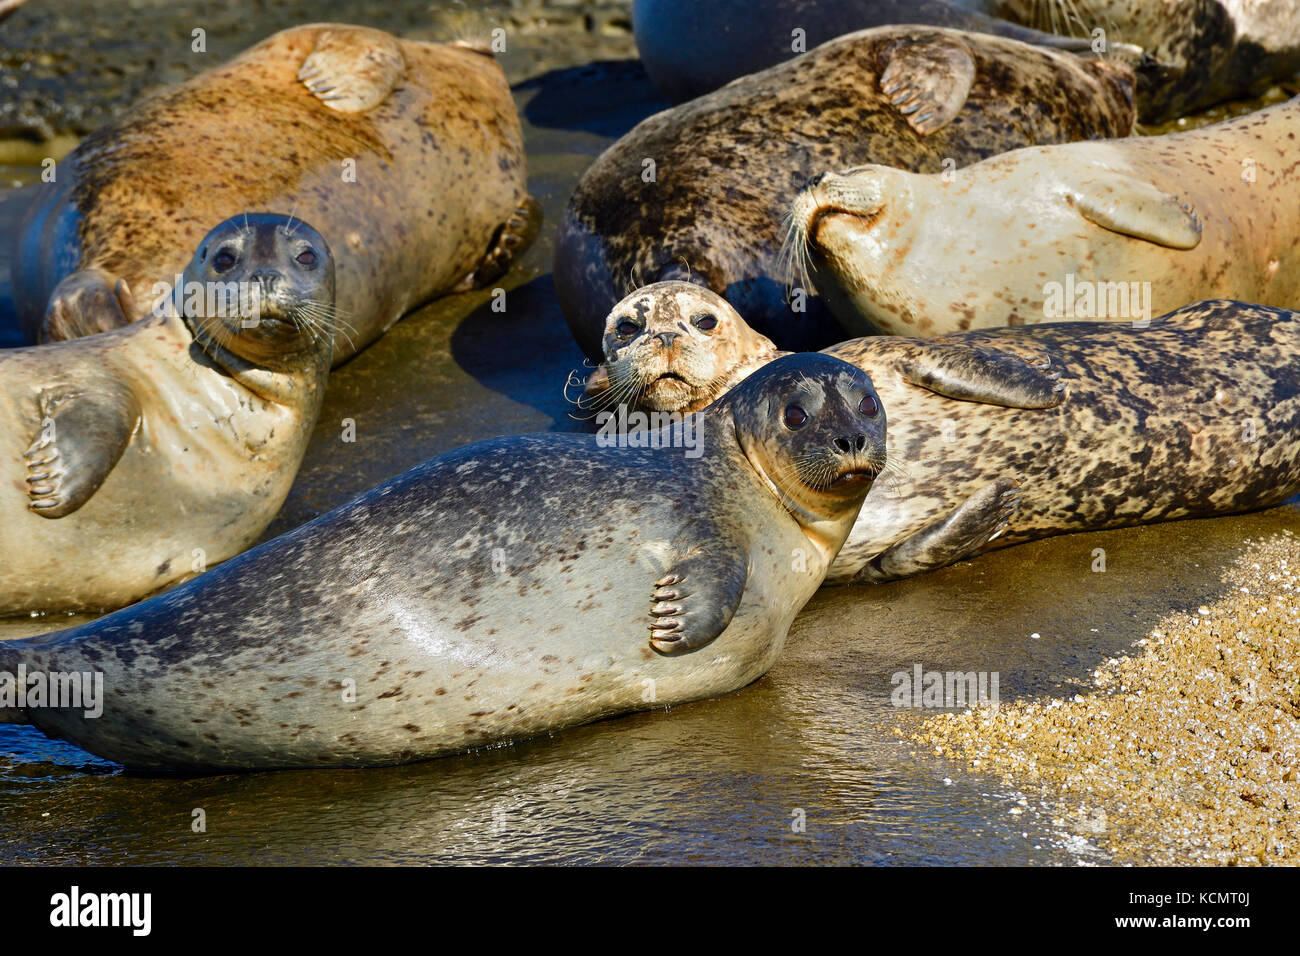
point(666, 338)
point(816, 180)
point(267, 279)
point(855, 443)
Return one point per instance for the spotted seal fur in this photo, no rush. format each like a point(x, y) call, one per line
point(1002, 436)
point(132, 458)
point(725, 167)
point(1050, 233)
point(327, 122)
point(1196, 52)
point(688, 53)
point(509, 588)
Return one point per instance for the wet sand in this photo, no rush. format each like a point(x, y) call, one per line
point(1186, 750)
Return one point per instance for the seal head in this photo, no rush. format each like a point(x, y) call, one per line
point(813, 429)
point(260, 291)
point(674, 346)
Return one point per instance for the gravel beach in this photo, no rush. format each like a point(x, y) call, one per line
point(1187, 751)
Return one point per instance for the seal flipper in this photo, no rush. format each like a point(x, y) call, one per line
point(510, 240)
point(927, 80)
point(352, 70)
point(1131, 207)
point(84, 303)
point(697, 597)
point(967, 529)
point(977, 375)
point(81, 437)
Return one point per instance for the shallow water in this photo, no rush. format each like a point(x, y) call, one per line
point(710, 782)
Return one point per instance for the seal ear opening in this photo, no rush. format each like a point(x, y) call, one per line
point(1131, 207)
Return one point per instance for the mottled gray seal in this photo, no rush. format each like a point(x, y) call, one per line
point(998, 437)
point(1119, 230)
point(692, 47)
point(328, 122)
point(509, 588)
point(699, 192)
point(1197, 52)
point(132, 458)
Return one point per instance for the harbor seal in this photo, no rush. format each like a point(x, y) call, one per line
point(692, 47)
point(132, 458)
point(326, 122)
point(1119, 230)
point(1196, 52)
point(1002, 436)
point(509, 588)
point(699, 192)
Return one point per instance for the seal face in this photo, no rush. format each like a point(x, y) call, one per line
point(674, 348)
point(148, 452)
point(699, 192)
point(1122, 230)
point(326, 123)
point(1002, 436)
point(508, 588)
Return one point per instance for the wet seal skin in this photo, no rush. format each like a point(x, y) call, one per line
point(1071, 231)
point(688, 52)
point(407, 156)
point(509, 588)
point(138, 456)
point(700, 192)
point(1002, 436)
point(1197, 52)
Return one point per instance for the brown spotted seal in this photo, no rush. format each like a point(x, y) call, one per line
point(509, 588)
point(1197, 52)
point(407, 157)
point(699, 192)
point(1122, 230)
point(692, 47)
point(137, 456)
point(998, 437)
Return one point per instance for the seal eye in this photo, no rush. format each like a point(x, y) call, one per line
point(626, 329)
point(705, 321)
point(868, 405)
point(223, 260)
point(307, 257)
point(795, 416)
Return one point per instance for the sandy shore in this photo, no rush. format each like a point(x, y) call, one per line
point(1188, 751)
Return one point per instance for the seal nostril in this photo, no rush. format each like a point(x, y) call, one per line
point(843, 445)
point(860, 443)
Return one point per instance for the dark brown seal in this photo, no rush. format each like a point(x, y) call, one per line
point(1196, 52)
point(692, 47)
point(699, 192)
